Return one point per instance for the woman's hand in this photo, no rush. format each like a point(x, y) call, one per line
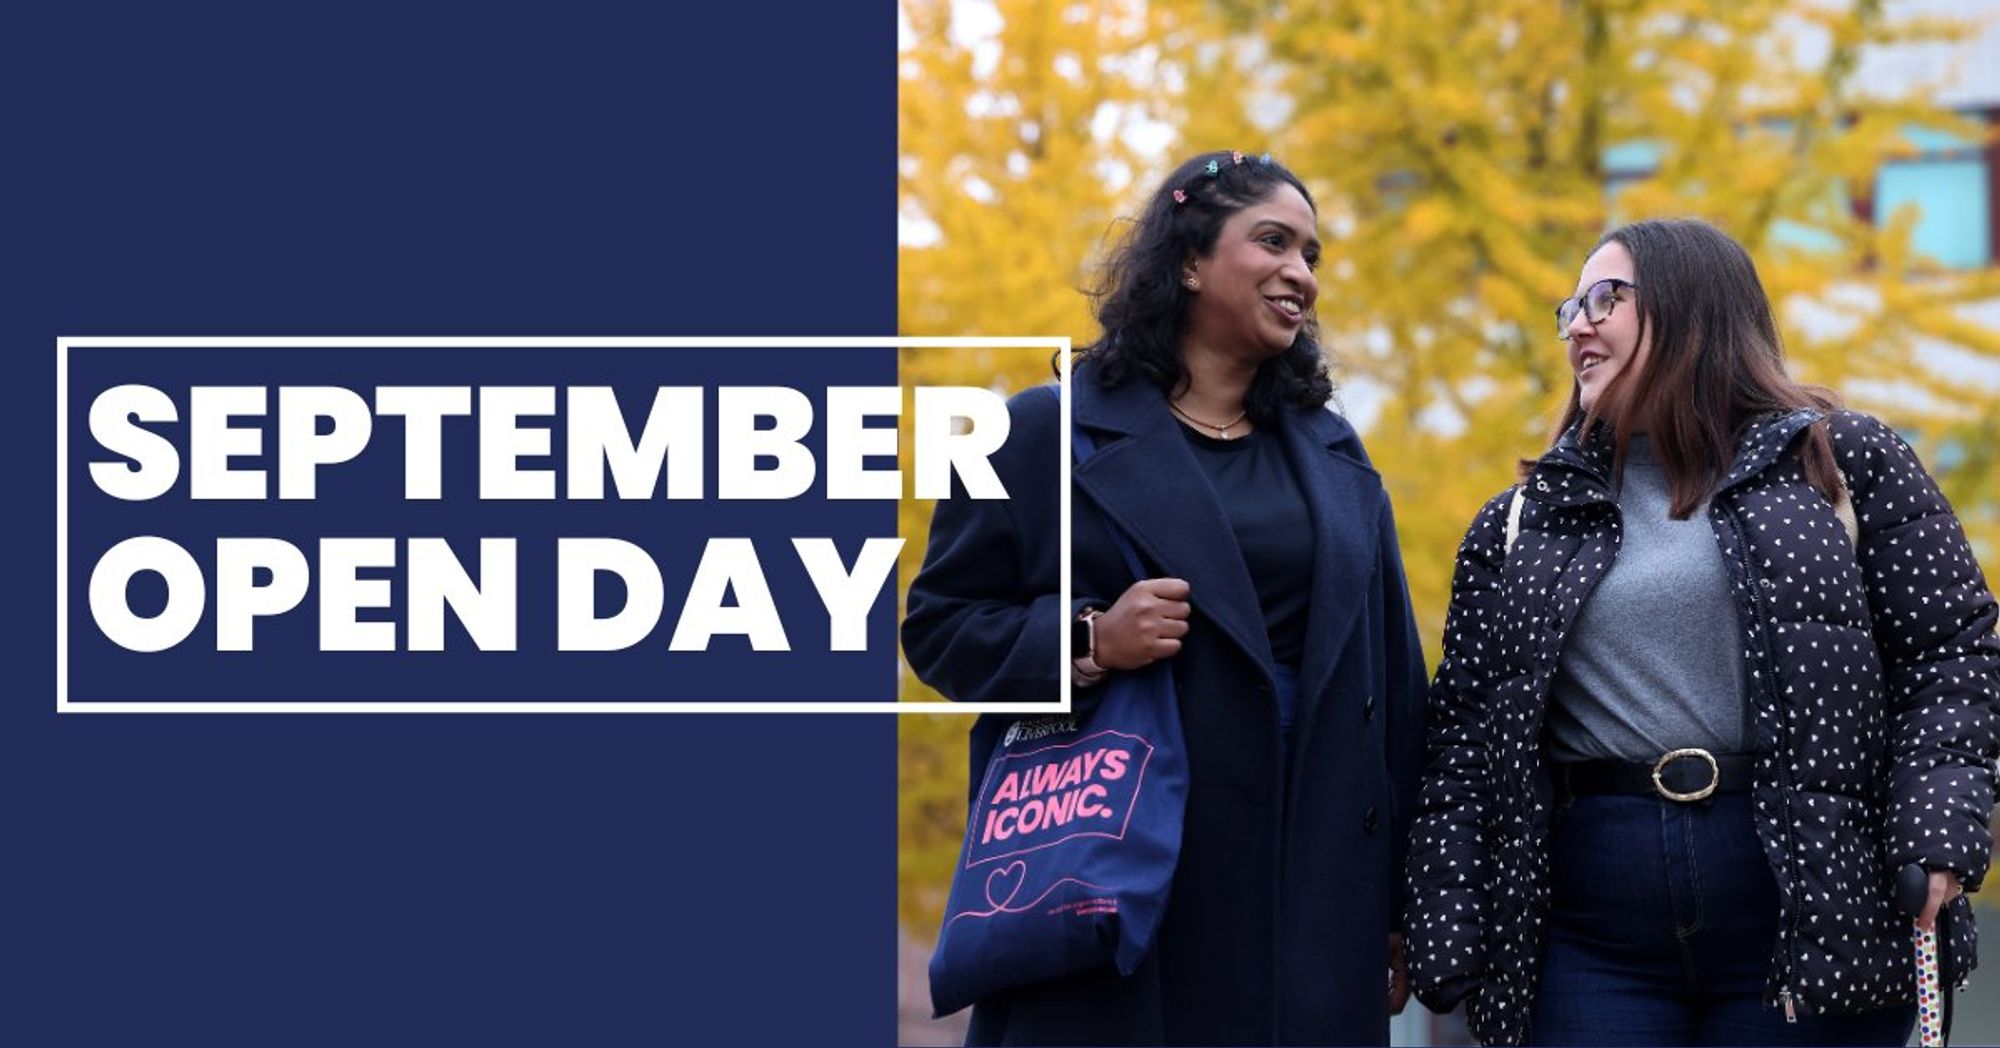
point(1944, 888)
point(1146, 625)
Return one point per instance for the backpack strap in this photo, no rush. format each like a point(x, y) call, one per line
point(1843, 507)
point(1514, 518)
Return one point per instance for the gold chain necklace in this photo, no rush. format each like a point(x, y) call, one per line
point(1221, 431)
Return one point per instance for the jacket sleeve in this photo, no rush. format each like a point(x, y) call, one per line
point(1448, 862)
point(984, 614)
point(1934, 623)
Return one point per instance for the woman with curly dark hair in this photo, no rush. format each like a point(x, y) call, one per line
point(1272, 586)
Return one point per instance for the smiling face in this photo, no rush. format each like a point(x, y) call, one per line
point(1600, 352)
point(1256, 286)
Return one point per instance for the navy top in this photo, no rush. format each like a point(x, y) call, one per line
point(1264, 506)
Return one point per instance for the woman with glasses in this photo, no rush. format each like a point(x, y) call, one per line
point(1271, 586)
point(1716, 672)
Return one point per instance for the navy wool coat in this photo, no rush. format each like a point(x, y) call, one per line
point(1289, 877)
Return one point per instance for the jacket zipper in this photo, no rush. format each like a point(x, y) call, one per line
point(1566, 624)
point(1788, 937)
point(1788, 942)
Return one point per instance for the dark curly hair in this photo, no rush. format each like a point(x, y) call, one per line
point(1142, 306)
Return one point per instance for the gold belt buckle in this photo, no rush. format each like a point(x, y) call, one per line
point(1714, 775)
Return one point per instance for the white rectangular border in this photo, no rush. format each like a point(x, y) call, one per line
point(1060, 346)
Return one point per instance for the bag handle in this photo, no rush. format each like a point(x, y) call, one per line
point(1084, 448)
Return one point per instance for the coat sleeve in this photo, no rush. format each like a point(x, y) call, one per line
point(1934, 623)
point(1402, 701)
point(984, 617)
point(1448, 863)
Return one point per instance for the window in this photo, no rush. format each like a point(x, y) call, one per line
point(1951, 186)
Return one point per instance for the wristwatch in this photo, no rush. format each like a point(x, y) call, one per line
point(1083, 634)
point(1084, 669)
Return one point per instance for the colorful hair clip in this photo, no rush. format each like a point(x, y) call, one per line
point(1180, 196)
point(1236, 156)
point(1265, 160)
point(1213, 167)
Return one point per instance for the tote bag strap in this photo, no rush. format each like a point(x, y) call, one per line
point(1084, 447)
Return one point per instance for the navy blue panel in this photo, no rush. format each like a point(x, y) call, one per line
point(424, 169)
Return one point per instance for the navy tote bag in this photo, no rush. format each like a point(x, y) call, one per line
point(1072, 838)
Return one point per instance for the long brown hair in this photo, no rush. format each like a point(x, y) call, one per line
point(1716, 363)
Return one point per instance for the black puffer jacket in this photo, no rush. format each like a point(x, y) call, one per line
point(1875, 677)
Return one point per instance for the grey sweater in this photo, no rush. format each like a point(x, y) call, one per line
point(1655, 659)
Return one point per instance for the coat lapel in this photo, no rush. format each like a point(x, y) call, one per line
point(1344, 496)
point(1180, 526)
point(1147, 482)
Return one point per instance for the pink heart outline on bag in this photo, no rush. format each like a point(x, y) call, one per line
point(1017, 871)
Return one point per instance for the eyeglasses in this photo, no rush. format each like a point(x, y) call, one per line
point(1595, 303)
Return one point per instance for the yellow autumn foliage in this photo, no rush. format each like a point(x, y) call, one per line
point(1465, 155)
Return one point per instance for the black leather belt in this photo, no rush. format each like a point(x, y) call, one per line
point(1680, 775)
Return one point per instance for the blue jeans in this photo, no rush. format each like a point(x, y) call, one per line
point(1663, 918)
